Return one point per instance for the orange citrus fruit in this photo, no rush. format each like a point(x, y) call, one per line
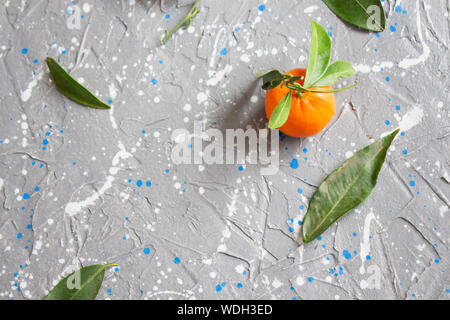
point(309, 114)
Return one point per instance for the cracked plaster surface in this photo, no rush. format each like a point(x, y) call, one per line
point(80, 186)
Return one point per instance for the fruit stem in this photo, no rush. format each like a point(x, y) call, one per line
point(183, 23)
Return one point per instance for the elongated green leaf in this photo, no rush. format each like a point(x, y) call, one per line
point(345, 188)
point(83, 284)
point(281, 112)
point(366, 14)
point(319, 54)
point(71, 88)
point(336, 70)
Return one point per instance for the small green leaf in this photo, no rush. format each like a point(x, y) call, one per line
point(71, 88)
point(281, 112)
point(336, 70)
point(319, 54)
point(345, 188)
point(366, 14)
point(83, 284)
point(272, 79)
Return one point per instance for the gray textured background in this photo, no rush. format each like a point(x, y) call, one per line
point(216, 231)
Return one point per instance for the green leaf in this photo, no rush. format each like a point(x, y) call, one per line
point(319, 54)
point(272, 79)
point(338, 69)
point(366, 14)
point(346, 188)
point(281, 112)
point(84, 284)
point(71, 88)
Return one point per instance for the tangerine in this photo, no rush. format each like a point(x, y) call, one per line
point(309, 114)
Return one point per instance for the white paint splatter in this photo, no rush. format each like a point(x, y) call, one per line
point(112, 91)
point(365, 245)
point(201, 97)
point(276, 283)
point(217, 76)
point(310, 9)
point(411, 119)
point(26, 94)
point(73, 208)
point(300, 281)
point(364, 68)
point(245, 58)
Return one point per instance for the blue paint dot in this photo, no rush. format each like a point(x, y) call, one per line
point(36, 189)
point(223, 52)
point(139, 183)
point(218, 288)
point(388, 79)
point(239, 285)
point(294, 164)
point(176, 260)
point(398, 9)
point(368, 257)
point(45, 142)
point(354, 234)
point(19, 236)
point(167, 16)
point(148, 183)
point(241, 168)
point(154, 81)
point(35, 61)
point(291, 229)
point(405, 152)
point(305, 150)
point(412, 183)
point(262, 7)
point(146, 250)
point(300, 191)
point(310, 279)
point(347, 255)
point(387, 122)
point(302, 207)
point(436, 260)
point(397, 108)
point(24, 50)
point(29, 226)
point(392, 28)
point(26, 196)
